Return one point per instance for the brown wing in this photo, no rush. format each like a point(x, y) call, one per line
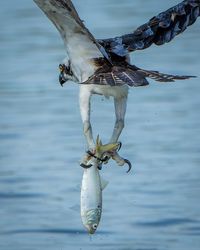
point(128, 74)
point(80, 44)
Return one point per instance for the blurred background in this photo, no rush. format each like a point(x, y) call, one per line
point(154, 207)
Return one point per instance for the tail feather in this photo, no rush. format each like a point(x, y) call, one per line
point(162, 77)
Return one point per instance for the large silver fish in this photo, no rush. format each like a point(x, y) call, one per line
point(92, 187)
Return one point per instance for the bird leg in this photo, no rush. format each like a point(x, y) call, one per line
point(84, 102)
point(120, 111)
point(109, 151)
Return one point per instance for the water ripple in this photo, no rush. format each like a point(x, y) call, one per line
point(52, 231)
point(12, 195)
point(41, 138)
point(166, 222)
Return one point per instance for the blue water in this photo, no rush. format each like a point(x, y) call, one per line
point(154, 207)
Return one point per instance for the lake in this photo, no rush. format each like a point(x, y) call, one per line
point(155, 206)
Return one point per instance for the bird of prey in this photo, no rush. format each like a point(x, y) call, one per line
point(102, 66)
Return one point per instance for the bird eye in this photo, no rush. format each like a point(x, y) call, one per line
point(61, 67)
point(94, 226)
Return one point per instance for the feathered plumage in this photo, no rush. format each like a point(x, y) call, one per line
point(158, 30)
point(104, 61)
point(102, 66)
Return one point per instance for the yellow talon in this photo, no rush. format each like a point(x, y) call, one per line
point(100, 149)
point(109, 151)
point(103, 153)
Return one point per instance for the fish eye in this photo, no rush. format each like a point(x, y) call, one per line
point(94, 226)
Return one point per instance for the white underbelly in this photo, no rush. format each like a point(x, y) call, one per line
point(107, 91)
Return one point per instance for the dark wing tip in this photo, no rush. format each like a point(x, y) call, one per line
point(162, 77)
point(158, 30)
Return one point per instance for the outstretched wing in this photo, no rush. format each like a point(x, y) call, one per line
point(80, 45)
point(158, 30)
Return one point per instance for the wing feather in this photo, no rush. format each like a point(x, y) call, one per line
point(158, 30)
point(80, 44)
point(130, 75)
point(118, 76)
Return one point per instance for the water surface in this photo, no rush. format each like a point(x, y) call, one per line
point(156, 206)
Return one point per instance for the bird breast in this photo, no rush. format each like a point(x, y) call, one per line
point(107, 91)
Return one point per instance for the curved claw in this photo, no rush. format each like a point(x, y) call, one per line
point(129, 165)
point(105, 159)
point(99, 166)
point(85, 166)
point(119, 147)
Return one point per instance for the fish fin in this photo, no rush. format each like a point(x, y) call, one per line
point(104, 183)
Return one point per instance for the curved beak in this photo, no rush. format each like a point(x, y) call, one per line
point(62, 79)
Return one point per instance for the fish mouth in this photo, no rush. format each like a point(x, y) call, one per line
point(92, 220)
point(92, 228)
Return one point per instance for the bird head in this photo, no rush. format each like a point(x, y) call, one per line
point(65, 72)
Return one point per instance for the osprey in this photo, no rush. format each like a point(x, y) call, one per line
point(102, 66)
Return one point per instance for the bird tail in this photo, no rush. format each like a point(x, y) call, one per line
point(162, 77)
